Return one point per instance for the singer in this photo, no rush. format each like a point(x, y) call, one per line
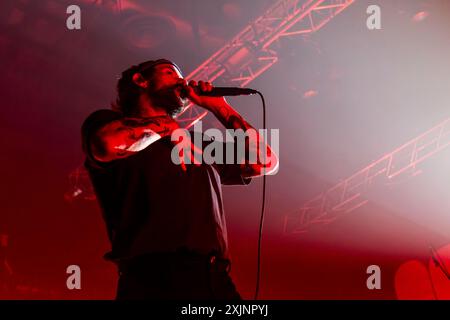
point(165, 221)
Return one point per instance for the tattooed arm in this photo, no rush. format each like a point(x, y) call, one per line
point(254, 145)
point(231, 119)
point(122, 138)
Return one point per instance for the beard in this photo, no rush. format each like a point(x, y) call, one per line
point(169, 99)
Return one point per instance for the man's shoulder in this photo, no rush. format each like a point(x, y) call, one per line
point(103, 114)
point(99, 118)
point(93, 122)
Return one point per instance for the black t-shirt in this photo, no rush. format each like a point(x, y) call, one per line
point(150, 204)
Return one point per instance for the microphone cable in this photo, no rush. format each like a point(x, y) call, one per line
point(263, 206)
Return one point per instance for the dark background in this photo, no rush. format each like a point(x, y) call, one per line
point(374, 91)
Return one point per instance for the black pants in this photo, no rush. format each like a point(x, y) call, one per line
point(176, 276)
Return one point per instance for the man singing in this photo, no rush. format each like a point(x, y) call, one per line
point(165, 220)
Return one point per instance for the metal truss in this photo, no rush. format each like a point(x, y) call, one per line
point(252, 52)
point(347, 195)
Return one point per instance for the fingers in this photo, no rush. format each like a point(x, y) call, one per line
point(202, 85)
point(195, 92)
point(196, 155)
point(183, 165)
point(189, 87)
point(188, 153)
point(205, 86)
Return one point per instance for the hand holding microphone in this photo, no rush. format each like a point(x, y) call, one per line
point(207, 96)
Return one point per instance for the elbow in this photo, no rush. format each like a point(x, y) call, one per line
point(274, 165)
point(270, 167)
point(102, 149)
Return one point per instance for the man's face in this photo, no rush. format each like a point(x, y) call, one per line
point(164, 89)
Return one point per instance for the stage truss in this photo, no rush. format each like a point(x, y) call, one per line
point(348, 195)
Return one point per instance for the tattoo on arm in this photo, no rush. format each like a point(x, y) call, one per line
point(231, 119)
point(129, 135)
point(159, 125)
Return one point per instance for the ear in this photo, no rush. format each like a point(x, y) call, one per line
point(139, 80)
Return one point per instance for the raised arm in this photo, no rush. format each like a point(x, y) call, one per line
point(231, 119)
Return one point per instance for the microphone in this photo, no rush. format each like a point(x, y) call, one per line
point(223, 91)
point(227, 91)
